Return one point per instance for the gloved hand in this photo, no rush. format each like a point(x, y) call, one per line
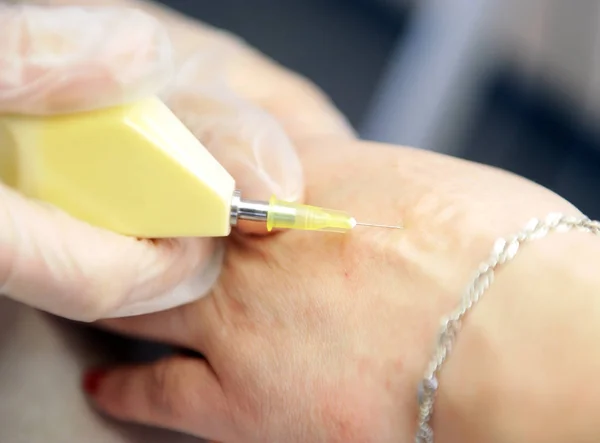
point(65, 59)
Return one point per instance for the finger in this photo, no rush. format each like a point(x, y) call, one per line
point(67, 59)
point(181, 326)
point(190, 326)
point(245, 139)
point(300, 107)
point(177, 393)
point(56, 263)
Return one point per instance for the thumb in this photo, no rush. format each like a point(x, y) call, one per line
point(56, 263)
point(66, 59)
point(177, 393)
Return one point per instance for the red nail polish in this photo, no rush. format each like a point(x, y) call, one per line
point(92, 380)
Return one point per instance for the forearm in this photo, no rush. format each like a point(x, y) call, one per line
point(525, 363)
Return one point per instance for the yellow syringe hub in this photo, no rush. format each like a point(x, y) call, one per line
point(138, 171)
point(286, 215)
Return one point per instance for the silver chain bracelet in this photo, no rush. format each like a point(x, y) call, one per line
point(503, 251)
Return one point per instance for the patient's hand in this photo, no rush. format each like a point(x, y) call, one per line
point(323, 337)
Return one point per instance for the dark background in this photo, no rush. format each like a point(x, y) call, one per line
point(344, 47)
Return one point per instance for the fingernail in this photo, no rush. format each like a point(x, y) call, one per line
point(92, 380)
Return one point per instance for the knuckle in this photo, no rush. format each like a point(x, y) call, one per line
point(101, 293)
point(167, 392)
point(97, 299)
point(106, 284)
point(307, 89)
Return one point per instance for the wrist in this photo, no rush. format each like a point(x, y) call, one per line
point(523, 364)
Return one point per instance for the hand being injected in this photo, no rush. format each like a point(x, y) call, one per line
point(65, 59)
point(323, 338)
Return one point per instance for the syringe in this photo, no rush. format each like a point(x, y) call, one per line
point(138, 171)
point(278, 214)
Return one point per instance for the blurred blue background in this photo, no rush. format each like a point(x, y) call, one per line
point(511, 83)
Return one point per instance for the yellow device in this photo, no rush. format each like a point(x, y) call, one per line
point(138, 171)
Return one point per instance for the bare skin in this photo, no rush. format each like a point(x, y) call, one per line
point(323, 338)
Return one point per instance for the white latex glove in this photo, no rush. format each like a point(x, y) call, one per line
point(64, 59)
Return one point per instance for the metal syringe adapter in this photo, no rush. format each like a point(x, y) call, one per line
point(252, 210)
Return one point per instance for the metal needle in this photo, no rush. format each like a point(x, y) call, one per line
point(373, 225)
